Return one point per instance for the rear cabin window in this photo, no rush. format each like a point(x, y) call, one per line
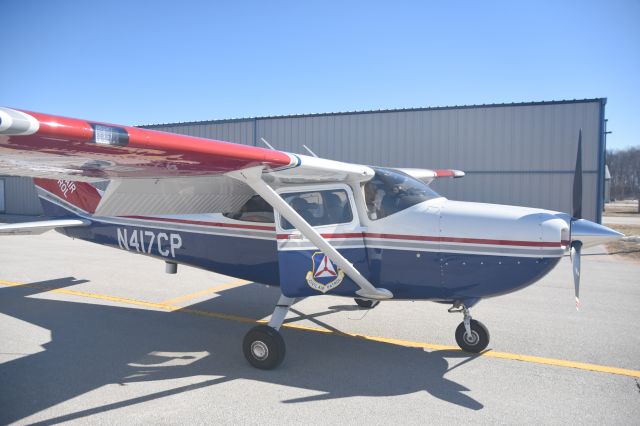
point(256, 209)
point(328, 207)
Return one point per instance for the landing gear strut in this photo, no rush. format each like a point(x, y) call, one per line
point(263, 346)
point(471, 335)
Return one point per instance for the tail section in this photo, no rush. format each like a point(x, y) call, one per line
point(64, 198)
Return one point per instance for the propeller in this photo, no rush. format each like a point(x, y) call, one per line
point(576, 246)
point(577, 182)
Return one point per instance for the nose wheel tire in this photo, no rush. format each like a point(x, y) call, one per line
point(367, 304)
point(475, 342)
point(263, 347)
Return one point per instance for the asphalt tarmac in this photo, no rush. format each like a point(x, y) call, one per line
point(90, 334)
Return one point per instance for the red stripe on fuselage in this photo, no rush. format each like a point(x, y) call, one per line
point(329, 236)
point(52, 184)
point(466, 240)
point(439, 239)
point(203, 223)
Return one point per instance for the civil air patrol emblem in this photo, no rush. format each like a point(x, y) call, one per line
point(324, 275)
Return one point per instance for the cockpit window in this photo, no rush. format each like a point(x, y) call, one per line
point(256, 209)
point(391, 191)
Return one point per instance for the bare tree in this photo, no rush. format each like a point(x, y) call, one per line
point(624, 166)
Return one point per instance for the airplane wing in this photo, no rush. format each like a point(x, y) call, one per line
point(151, 172)
point(41, 145)
point(428, 175)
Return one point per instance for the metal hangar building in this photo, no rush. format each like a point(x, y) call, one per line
point(520, 153)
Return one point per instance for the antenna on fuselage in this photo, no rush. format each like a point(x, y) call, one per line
point(309, 151)
point(264, 141)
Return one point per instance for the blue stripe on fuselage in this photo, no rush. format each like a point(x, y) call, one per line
point(450, 276)
point(426, 275)
point(245, 258)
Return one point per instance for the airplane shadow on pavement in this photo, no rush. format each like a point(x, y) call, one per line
point(96, 345)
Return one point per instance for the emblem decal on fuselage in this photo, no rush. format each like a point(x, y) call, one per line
point(324, 275)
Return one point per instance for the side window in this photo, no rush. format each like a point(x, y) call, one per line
point(319, 208)
point(256, 209)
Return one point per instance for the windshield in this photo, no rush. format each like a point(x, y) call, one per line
point(391, 191)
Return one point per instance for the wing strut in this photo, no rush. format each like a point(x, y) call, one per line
point(253, 177)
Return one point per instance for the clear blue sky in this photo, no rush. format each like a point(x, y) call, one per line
point(137, 62)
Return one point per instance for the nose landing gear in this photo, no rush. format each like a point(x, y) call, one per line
point(471, 335)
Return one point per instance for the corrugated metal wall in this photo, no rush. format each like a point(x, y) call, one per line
point(20, 196)
point(238, 131)
point(521, 154)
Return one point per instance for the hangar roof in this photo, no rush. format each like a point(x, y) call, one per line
point(322, 114)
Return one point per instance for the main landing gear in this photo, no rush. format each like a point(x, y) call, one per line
point(263, 346)
point(471, 335)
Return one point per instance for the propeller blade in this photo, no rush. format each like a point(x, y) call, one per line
point(576, 249)
point(577, 181)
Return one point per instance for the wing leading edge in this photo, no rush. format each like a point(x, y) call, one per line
point(48, 146)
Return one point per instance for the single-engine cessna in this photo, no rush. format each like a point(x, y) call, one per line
point(309, 225)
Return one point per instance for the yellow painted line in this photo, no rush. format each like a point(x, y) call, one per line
point(220, 315)
point(112, 298)
point(94, 296)
point(564, 363)
point(11, 283)
point(397, 342)
point(501, 355)
point(216, 289)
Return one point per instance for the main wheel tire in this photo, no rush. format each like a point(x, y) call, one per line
point(367, 304)
point(263, 347)
point(477, 341)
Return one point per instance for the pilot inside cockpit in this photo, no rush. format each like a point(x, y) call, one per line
point(373, 194)
point(391, 191)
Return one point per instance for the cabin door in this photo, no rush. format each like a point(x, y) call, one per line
point(304, 269)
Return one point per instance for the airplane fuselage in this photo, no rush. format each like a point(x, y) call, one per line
point(429, 256)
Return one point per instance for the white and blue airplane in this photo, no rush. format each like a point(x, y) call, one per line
point(311, 226)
